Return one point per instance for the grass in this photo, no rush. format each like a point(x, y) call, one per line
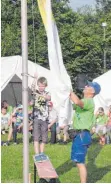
point(98, 163)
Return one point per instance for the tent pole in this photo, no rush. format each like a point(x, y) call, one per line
point(25, 90)
point(13, 92)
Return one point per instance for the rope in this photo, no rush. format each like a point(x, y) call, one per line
point(33, 30)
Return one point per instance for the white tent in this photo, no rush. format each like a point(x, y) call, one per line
point(104, 98)
point(11, 78)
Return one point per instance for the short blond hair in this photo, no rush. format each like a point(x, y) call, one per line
point(42, 80)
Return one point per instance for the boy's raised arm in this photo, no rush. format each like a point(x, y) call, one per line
point(33, 86)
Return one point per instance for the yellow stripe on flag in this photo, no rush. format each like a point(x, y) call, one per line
point(42, 5)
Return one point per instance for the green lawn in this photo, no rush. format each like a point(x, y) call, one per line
point(98, 163)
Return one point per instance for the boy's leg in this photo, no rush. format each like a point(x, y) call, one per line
point(36, 135)
point(44, 139)
point(6, 127)
point(58, 133)
point(44, 135)
point(82, 172)
point(15, 133)
point(2, 129)
point(10, 133)
point(42, 146)
point(65, 132)
point(36, 147)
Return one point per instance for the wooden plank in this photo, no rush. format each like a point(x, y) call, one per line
point(46, 170)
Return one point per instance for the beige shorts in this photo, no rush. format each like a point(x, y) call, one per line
point(65, 130)
point(4, 127)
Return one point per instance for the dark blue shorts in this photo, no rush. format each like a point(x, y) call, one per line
point(80, 145)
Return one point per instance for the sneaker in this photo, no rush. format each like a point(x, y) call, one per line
point(5, 144)
point(3, 132)
point(59, 140)
point(63, 143)
point(15, 143)
point(37, 158)
point(44, 157)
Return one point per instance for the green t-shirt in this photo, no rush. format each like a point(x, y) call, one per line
point(84, 117)
point(30, 108)
point(10, 110)
point(101, 120)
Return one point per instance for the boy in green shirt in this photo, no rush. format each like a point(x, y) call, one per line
point(82, 123)
point(101, 120)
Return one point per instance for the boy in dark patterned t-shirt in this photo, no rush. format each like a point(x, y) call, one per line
point(40, 129)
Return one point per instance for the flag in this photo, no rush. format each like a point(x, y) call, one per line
point(61, 83)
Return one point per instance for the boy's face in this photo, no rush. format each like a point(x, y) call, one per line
point(41, 87)
point(4, 111)
point(101, 113)
point(20, 110)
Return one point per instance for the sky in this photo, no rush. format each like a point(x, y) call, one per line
point(78, 3)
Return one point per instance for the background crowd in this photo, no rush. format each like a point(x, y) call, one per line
point(12, 123)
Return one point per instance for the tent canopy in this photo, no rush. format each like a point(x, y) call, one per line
point(104, 98)
point(11, 78)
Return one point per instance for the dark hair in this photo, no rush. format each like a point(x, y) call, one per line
point(101, 109)
point(4, 101)
point(42, 80)
point(4, 107)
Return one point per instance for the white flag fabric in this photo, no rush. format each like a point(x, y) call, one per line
point(61, 83)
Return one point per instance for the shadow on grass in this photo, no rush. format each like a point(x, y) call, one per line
point(65, 167)
point(41, 180)
point(94, 173)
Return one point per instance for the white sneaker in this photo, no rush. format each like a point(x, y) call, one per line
point(4, 144)
point(3, 132)
point(15, 143)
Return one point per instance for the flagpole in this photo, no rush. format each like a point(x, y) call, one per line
point(25, 90)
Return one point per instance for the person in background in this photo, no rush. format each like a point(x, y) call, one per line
point(6, 125)
point(108, 127)
point(17, 122)
point(64, 128)
point(82, 123)
point(30, 115)
point(40, 128)
point(9, 111)
point(101, 120)
point(52, 122)
point(9, 107)
point(30, 107)
point(5, 120)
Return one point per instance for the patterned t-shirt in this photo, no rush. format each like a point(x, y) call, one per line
point(19, 118)
point(41, 110)
point(5, 118)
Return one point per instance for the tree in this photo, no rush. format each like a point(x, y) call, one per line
point(81, 36)
point(103, 5)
